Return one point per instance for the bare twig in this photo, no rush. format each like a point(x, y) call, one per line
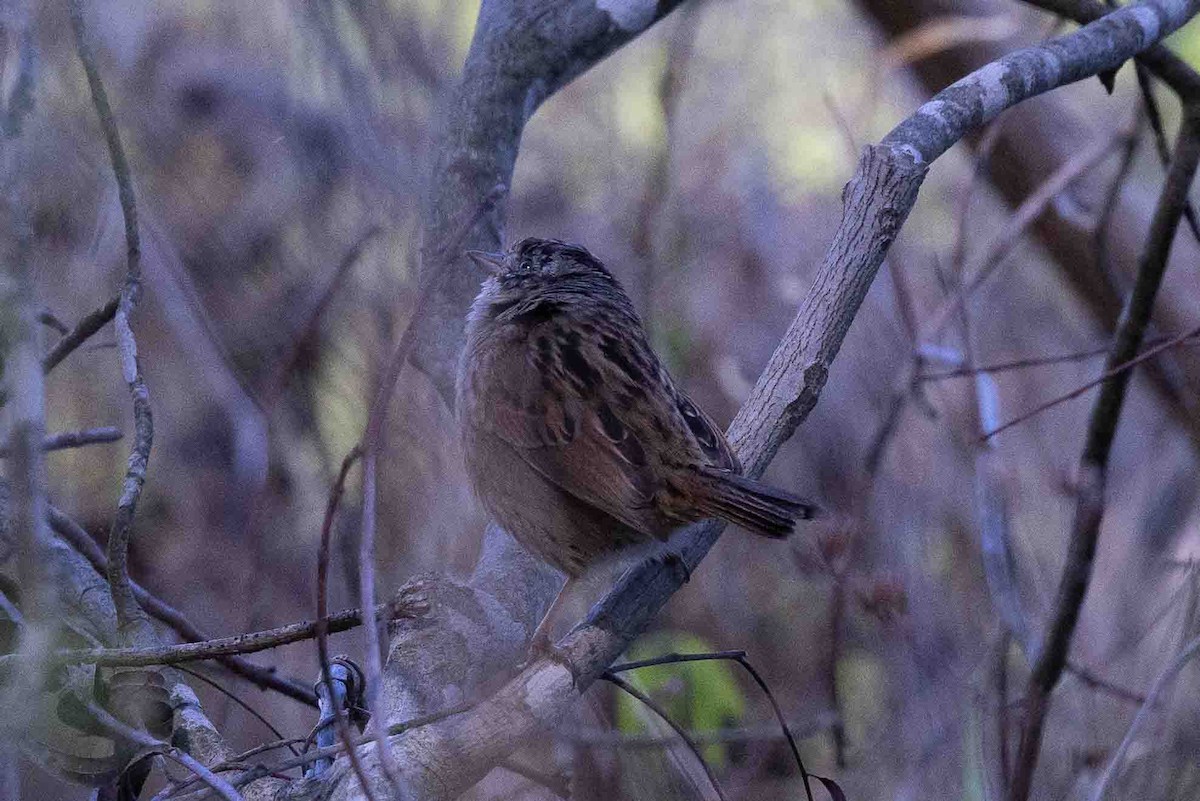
point(679, 730)
point(1169, 673)
point(232, 696)
point(1102, 425)
point(145, 741)
point(740, 658)
point(73, 439)
point(1114, 372)
point(340, 722)
point(1089, 678)
point(82, 331)
point(264, 677)
point(1033, 361)
point(336, 749)
point(223, 646)
point(128, 612)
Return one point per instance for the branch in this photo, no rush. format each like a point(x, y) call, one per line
point(1168, 67)
point(129, 614)
point(1169, 673)
point(264, 677)
point(226, 646)
point(72, 439)
point(1102, 426)
point(84, 330)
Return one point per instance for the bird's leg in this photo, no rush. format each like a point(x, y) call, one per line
point(540, 644)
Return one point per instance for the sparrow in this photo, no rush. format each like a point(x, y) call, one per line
point(577, 440)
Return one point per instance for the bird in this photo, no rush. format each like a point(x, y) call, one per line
point(577, 441)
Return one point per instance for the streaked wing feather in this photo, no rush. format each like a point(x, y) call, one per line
point(570, 436)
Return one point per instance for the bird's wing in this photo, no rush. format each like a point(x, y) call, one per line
point(575, 426)
point(708, 435)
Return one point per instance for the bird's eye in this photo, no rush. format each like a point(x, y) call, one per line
point(525, 266)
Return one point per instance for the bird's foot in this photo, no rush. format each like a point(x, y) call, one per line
point(540, 647)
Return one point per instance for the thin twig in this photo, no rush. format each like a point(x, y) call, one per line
point(1033, 361)
point(143, 740)
point(1154, 115)
point(263, 676)
point(740, 658)
point(73, 439)
point(1102, 426)
point(82, 331)
point(128, 611)
point(1090, 679)
point(308, 332)
point(341, 724)
point(236, 762)
point(616, 680)
point(232, 696)
point(333, 750)
point(372, 445)
point(1172, 670)
point(222, 646)
point(1119, 370)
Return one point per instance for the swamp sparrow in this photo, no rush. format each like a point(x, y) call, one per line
point(577, 441)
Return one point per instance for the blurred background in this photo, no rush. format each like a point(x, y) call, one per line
point(280, 152)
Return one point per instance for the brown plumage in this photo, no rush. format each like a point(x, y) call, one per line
point(577, 441)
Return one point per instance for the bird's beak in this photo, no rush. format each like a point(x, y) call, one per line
point(493, 263)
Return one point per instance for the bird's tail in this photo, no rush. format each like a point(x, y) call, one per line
point(751, 504)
